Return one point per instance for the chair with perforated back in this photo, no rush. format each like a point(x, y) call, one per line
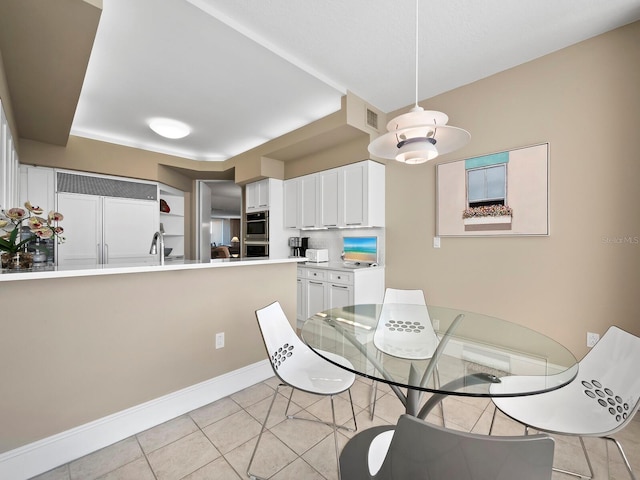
point(404, 331)
point(417, 450)
point(297, 366)
point(601, 401)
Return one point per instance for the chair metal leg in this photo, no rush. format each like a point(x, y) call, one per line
point(353, 413)
point(575, 474)
point(286, 412)
point(264, 425)
point(335, 435)
point(624, 457)
point(372, 400)
point(586, 454)
point(332, 424)
point(293, 417)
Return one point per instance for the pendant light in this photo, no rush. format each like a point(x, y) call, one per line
point(419, 135)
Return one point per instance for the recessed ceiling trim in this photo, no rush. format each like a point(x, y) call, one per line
point(129, 142)
point(206, 7)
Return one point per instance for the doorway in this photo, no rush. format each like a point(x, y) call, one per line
point(221, 219)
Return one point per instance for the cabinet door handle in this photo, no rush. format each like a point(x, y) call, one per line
point(316, 283)
point(340, 286)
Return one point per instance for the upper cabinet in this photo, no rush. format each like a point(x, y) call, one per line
point(329, 188)
point(350, 196)
point(308, 202)
point(291, 203)
point(37, 185)
point(257, 196)
point(363, 194)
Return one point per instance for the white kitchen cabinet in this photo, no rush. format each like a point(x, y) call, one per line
point(349, 196)
point(291, 203)
point(257, 196)
point(363, 195)
point(339, 295)
point(301, 307)
point(9, 165)
point(128, 228)
point(329, 286)
point(329, 198)
point(106, 230)
point(37, 185)
point(308, 202)
point(316, 295)
point(82, 229)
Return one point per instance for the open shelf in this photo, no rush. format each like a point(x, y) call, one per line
point(173, 221)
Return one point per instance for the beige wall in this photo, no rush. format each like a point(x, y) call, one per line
point(73, 350)
point(584, 101)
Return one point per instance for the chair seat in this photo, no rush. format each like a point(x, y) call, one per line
point(319, 376)
point(417, 450)
point(569, 410)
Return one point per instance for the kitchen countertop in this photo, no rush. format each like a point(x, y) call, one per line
point(170, 264)
point(336, 265)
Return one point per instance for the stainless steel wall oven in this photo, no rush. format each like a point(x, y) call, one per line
point(257, 227)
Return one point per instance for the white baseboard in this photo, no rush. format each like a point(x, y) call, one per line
point(43, 455)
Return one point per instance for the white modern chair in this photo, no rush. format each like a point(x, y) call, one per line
point(404, 331)
point(297, 366)
point(418, 450)
point(602, 399)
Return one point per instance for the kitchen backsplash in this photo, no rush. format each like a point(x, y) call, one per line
point(332, 240)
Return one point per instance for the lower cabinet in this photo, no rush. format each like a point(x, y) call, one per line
point(324, 287)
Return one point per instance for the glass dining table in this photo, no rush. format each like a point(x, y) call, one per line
point(445, 351)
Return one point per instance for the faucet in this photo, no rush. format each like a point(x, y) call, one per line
point(158, 238)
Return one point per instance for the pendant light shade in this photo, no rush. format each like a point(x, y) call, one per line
point(419, 135)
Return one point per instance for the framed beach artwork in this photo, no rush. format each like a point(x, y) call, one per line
point(504, 193)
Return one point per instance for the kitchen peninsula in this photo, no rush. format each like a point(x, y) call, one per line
point(90, 356)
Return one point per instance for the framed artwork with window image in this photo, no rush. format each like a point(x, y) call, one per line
point(503, 193)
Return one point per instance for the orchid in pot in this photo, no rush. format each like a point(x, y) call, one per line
point(13, 245)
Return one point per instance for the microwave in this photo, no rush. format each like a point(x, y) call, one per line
point(257, 227)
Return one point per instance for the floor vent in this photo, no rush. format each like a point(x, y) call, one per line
point(106, 187)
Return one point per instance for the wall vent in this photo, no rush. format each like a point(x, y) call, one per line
point(106, 187)
point(372, 119)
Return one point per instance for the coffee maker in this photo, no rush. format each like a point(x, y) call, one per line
point(298, 246)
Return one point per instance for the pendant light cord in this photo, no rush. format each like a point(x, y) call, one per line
point(417, 22)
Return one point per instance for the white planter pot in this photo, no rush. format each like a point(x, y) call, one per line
point(487, 220)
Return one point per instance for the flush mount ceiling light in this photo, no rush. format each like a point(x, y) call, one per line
point(168, 128)
point(419, 135)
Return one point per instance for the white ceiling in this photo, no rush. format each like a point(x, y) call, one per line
point(245, 71)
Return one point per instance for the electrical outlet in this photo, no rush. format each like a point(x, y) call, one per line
point(436, 324)
point(219, 340)
point(592, 339)
point(436, 242)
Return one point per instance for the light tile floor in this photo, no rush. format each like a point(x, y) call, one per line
point(215, 442)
